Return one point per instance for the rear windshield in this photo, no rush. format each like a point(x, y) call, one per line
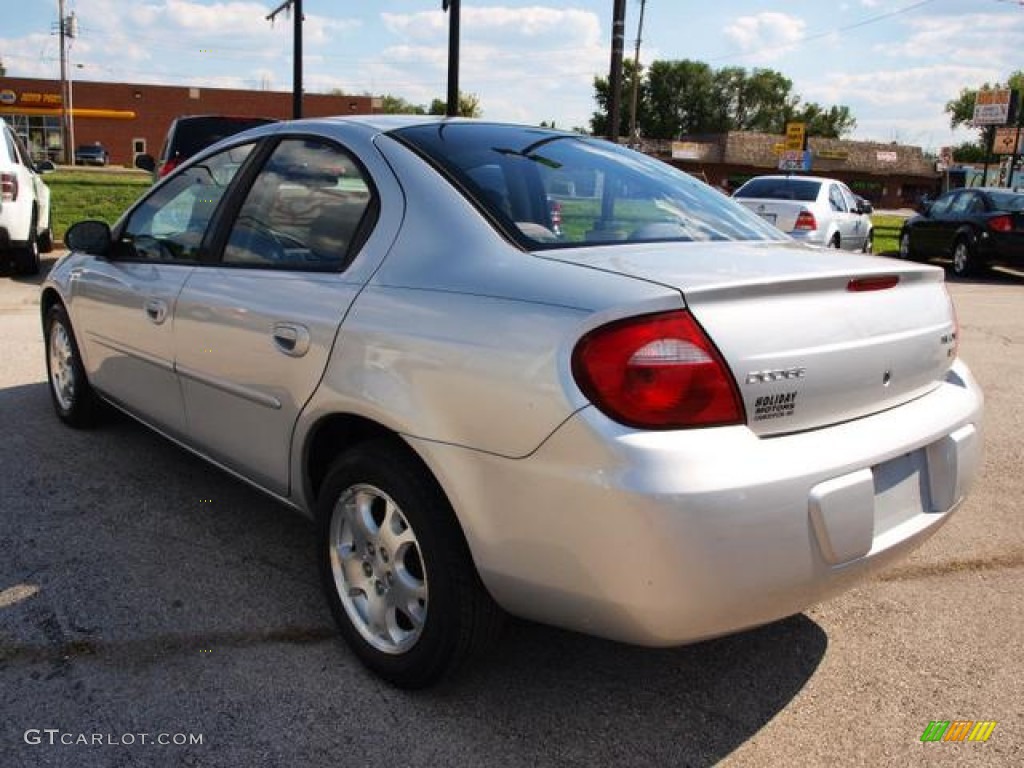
point(1007, 201)
point(804, 190)
point(549, 190)
point(195, 133)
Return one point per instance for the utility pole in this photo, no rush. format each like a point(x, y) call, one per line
point(633, 137)
point(67, 154)
point(615, 77)
point(453, 7)
point(296, 51)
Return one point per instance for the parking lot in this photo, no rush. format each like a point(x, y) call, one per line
point(144, 592)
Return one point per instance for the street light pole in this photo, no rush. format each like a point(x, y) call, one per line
point(67, 156)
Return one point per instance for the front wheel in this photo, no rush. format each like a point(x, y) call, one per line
point(396, 568)
point(73, 399)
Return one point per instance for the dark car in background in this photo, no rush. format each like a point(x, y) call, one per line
point(92, 154)
point(975, 228)
point(191, 133)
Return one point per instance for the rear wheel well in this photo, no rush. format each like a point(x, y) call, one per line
point(336, 434)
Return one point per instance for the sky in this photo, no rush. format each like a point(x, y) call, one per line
point(895, 63)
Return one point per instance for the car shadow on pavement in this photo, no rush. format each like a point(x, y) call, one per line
point(168, 558)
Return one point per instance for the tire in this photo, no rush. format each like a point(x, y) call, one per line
point(27, 257)
point(965, 260)
point(906, 249)
point(396, 568)
point(45, 240)
point(73, 399)
point(834, 242)
point(869, 243)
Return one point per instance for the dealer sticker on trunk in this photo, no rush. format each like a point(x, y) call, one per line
point(774, 406)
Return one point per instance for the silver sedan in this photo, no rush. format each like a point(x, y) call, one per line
point(811, 209)
point(509, 369)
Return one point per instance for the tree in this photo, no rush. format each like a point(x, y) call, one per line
point(469, 106)
point(689, 97)
point(396, 105)
point(599, 120)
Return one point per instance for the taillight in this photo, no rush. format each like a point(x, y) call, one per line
point(169, 166)
point(1001, 224)
point(657, 372)
point(8, 187)
point(805, 221)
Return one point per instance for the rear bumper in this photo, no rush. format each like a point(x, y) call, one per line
point(666, 538)
point(1002, 248)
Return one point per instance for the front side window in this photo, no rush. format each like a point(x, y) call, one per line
point(552, 190)
point(171, 223)
point(304, 210)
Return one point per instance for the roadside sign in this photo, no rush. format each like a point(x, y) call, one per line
point(795, 135)
point(946, 156)
point(992, 106)
point(795, 160)
point(1007, 140)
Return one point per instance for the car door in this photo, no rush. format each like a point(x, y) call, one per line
point(859, 222)
point(927, 236)
point(949, 226)
point(841, 216)
point(123, 305)
point(255, 330)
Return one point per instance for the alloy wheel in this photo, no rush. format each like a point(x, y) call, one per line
point(62, 369)
point(378, 569)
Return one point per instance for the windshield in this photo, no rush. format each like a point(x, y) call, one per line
point(775, 188)
point(549, 190)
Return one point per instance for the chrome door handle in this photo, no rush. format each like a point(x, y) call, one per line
point(156, 310)
point(291, 338)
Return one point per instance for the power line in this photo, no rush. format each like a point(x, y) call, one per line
point(829, 33)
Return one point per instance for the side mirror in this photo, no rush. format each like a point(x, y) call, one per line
point(145, 163)
point(45, 166)
point(89, 236)
point(864, 206)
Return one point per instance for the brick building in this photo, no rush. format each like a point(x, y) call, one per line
point(132, 119)
point(889, 175)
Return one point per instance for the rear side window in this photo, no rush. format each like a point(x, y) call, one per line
point(802, 190)
point(304, 210)
point(552, 190)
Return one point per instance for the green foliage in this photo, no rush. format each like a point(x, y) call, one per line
point(469, 106)
point(690, 97)
point(396, 105)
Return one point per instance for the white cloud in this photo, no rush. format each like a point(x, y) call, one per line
point(767, 35)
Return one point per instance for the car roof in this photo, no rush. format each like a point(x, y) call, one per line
point(794, 176)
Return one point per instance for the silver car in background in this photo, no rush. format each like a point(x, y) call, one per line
point(655, 420)
point(814, 210)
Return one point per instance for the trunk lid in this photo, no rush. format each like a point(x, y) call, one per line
point(782, 214)
point(812, 337)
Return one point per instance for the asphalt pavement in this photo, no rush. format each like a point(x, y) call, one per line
point(154, 611)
